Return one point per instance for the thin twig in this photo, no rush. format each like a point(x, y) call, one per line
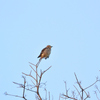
point(88, 95)
point(29, 75)
point(49, 95)
point(21, 85)
point(77, 91)
point(46, 69)
point(78, 81)
point(97, 88)
point(45, 93)
point(66, 88)
point(34, 70)
point(91, 84)
point(69, 97)
point(15, 95)
point(32, 82)
point(97, 95)
point(59, 96)
point(32, 64)
point(24, 87)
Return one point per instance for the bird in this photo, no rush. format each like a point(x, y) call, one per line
point(45, 52)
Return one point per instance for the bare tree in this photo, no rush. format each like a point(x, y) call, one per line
point(80, 93)
point(36, 82)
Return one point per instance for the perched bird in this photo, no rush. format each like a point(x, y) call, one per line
point(45, 52)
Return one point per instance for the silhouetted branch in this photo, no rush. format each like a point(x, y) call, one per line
point(68, 97)
point(15, 95)
point(22, 86)
point(97, 88)
point(96, 92)
point(29, 75)
point(92, 84)
point(38, 82)
point(66, 88)
point(77, 91)
point(96, 95)
point(82, 90)
point(65, 96)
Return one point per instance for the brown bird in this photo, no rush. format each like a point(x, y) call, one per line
point(45, 52)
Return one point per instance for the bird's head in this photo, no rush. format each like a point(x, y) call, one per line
point(49, 46)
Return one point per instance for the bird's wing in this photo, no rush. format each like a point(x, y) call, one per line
point(41, 52)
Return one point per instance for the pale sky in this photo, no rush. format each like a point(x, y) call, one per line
point(72, 27)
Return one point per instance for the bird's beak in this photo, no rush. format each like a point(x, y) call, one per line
point(51, 46)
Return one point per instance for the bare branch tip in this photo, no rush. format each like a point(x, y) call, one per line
point(6, 93)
